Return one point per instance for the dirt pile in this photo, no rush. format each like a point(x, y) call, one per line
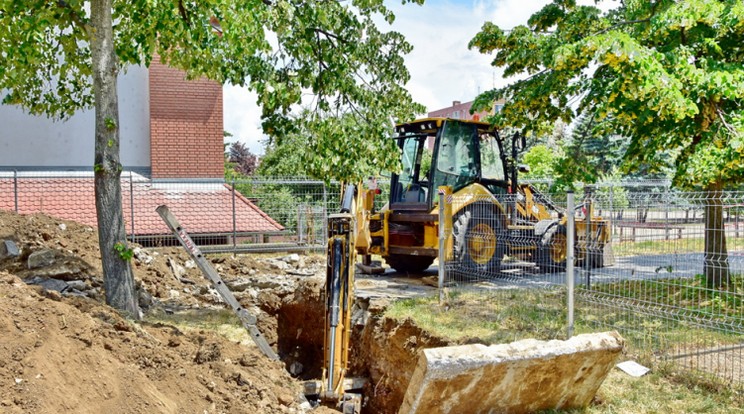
point(79, 356)
point(64, 351)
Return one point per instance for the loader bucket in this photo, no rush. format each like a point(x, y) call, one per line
point(521, 377)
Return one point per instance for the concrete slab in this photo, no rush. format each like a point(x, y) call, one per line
point(521, 377)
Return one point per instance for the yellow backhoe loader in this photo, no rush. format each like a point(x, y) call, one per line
point(493, 214)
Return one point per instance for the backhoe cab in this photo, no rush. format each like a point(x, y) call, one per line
point(493, 215)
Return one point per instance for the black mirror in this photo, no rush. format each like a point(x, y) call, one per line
point(519, 142)
point(523, 168)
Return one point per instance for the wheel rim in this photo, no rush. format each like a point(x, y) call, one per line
point(481, 243)
point(558, 248)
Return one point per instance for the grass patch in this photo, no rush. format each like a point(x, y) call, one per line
point(507, 315)
point(659, 393)
point(690, 296)
point(466, 316)
point(684, 245)
point(222, 321)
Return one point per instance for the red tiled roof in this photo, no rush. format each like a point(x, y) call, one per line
point(200, 208)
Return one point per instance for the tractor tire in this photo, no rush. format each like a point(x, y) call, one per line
point(478, 241)
point(552, 250)
point(409, 264)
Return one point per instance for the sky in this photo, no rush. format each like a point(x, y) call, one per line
point(442, 68)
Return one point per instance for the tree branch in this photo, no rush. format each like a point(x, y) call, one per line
point(621, 24)
point(74, 16)
point(329, 35)
point(726, 125)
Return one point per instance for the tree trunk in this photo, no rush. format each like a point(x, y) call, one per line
point(118, 280)
point(716, 254)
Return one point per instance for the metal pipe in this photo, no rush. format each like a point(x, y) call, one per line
point(570, 230)
point(234, 220)
point(348, 200)
point(15, 189)
point(442, 242)
point(331, 362)
point(131, 203)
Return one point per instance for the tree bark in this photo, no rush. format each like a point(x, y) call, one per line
point(118, 280)
point(716, 255)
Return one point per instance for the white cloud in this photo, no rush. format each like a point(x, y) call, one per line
point(442, 68)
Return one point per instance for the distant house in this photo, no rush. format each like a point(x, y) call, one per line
point(170, 128)
point(461, 110)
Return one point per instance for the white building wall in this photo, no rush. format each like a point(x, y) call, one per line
point(39, 142)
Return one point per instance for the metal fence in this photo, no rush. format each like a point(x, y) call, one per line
point(260, 214)
point(671, 293)
point(671, 297)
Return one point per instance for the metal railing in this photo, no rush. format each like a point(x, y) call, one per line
point(259, 214)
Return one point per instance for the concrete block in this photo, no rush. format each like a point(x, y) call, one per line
point(521, 377)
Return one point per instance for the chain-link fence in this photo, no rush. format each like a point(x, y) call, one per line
point(661, 266)
point(260, 214)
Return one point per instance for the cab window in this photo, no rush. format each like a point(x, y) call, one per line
point(456, 156)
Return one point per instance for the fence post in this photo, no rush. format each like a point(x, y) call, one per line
point(234, 220)
point(666, 213)
point(611, 212)
point(325, 214)
point(15, 189)
point(588, 251)
point(131, 204)
point(570, 230)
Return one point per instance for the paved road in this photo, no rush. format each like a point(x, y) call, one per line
point(393, 284)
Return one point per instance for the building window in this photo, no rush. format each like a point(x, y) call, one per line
point(497, 108)
point(456, 115)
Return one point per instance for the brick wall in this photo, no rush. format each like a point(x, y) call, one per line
point(459, 110)
point(185, 125)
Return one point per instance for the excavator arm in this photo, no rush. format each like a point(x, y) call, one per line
point(335, 388)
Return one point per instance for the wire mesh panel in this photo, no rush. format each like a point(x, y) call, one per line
point(675, 290)
point(494, 264)
point(68, 195)
point(247, 215)
point(661, 266)
point(255, 214)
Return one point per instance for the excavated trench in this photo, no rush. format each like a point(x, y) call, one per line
point(384, 350)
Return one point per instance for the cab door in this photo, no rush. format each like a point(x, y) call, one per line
point(456, 160)
point(410, 189)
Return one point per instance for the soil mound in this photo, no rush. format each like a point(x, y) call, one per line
point(64, 351)
point(80, 356)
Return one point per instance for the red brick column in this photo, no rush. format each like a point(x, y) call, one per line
point(186, 126)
